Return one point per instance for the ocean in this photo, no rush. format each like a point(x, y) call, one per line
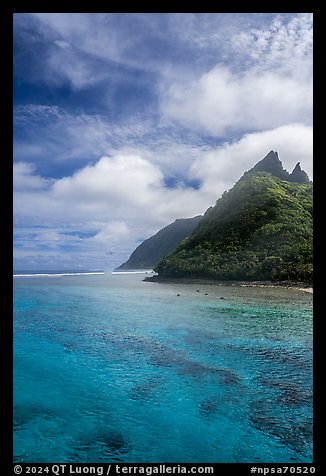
point(109, 368)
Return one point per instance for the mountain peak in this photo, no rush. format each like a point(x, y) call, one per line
point(261, 229)
point(272, 155)
point(299, 175)
point(272, 164)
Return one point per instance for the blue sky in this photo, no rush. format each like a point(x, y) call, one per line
point(125, 122)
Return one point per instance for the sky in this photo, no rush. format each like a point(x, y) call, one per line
point(125, 122)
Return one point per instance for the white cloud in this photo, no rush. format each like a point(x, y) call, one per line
point(122, 178)
point(127, 186)
point(221, 101)
point(117, 194)
point(117, 231)
point(24, 177)
point(285, 46)
point(101, 211)
point(261, 79)
point(219, 169)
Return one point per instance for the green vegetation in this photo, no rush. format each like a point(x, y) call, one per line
point(259, 230)
point(149, 253)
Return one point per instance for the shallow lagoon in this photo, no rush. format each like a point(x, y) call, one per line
point(112, 369)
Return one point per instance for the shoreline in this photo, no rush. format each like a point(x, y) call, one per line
point(299, 286)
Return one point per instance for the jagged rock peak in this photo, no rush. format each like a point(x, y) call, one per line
point(272, 164)
point(272, 155)
point(299, 175)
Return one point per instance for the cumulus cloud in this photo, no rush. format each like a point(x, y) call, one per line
point(126, 186)
point(115, 231)
point(219, 169)
point(105, 208)
point(262, 79)
point(122, 178)
point(25, 178)
point(221, 101)
point(123, 197)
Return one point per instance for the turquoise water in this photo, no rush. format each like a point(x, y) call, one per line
point(112, 369)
